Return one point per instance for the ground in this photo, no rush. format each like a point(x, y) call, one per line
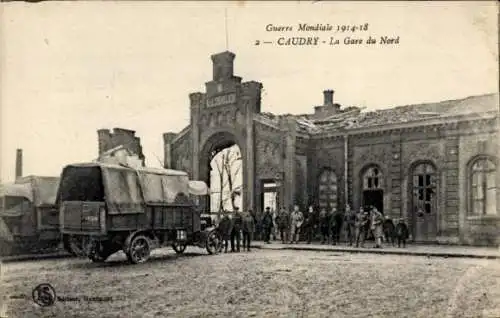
point(260, 283)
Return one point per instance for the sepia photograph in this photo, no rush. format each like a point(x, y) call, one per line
point(249, 159)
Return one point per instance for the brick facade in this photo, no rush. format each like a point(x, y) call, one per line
point(295, 149)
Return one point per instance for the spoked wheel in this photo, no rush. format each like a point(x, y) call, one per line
point(74, 245)
point(214, 243)
point(139, 250)
point(179, 247)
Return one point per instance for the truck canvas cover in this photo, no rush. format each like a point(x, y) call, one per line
point(15, 190)
point(44, 189)
point(127, 190)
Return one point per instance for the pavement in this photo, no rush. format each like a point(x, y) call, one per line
point(455, 251)
point(410, 249)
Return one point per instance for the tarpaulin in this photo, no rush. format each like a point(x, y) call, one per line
point(123, 192)
point(17, 190)
point(198, 188)
point(163, 188)
point(45, 189)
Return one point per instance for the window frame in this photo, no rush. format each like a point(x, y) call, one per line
point(473, 186)
point(326, 192)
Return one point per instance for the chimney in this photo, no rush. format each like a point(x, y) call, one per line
point(328, 97)
point(19, 163)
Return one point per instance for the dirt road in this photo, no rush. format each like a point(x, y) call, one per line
point(258, 284)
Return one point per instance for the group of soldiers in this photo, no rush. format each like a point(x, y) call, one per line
point(330, 225)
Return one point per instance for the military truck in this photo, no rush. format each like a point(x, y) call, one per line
point(105, 208)
point(29, 220)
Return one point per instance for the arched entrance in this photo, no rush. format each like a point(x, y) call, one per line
point(372, 180)
point(221, 167)
point(423, 207)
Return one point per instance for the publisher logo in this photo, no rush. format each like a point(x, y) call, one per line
point(44, 295)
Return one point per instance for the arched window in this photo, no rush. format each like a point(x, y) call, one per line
point(327, 189)
point(482, 187)
point(372, 179)
point(424, 187)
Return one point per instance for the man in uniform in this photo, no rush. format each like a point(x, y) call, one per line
point(309, 224)
point(402, 232)
point(389, 230)
point(248, 229)
point(225, 227)
point(236, 230)
point(267, 225)
point(360, 227)
point(323, 224)
point(377, 223)
point(283, 221)
point(297, 218)
point(350, 220)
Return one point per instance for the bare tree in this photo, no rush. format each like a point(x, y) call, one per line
point(228, 166)
point(232, 168)
point(220, 171)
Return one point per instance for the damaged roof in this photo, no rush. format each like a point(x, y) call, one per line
point(355, 117)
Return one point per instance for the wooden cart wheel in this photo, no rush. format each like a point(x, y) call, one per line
point(214, 242)
point(179, 247)
point(75, 246)
point(139, 250)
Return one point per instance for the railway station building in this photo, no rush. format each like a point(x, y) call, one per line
point(434, 164)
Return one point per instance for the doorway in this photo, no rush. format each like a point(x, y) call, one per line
point(269, 198)
point(373, 198)
point(423, 203)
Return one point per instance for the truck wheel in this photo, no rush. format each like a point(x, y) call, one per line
point(179, 247)
point(73, 245)
point(139, 250)
point(214, 242)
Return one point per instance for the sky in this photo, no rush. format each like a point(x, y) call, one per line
point(68, 69)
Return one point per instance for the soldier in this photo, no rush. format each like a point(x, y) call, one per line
point(376, 226)
point(248, 229)
point(267, 225)
point(236, 231)
point(283, 221)
point(402, 232)
point(309, 224)
point(360, 227)
point(225, 227)
point(297, 218)
point(275, 224)
point(323, 224)
point(389, 231)
point(350, 221)
point(332, 226)
point(339, 222)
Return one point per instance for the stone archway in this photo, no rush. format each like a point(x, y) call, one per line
point(213, 145)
